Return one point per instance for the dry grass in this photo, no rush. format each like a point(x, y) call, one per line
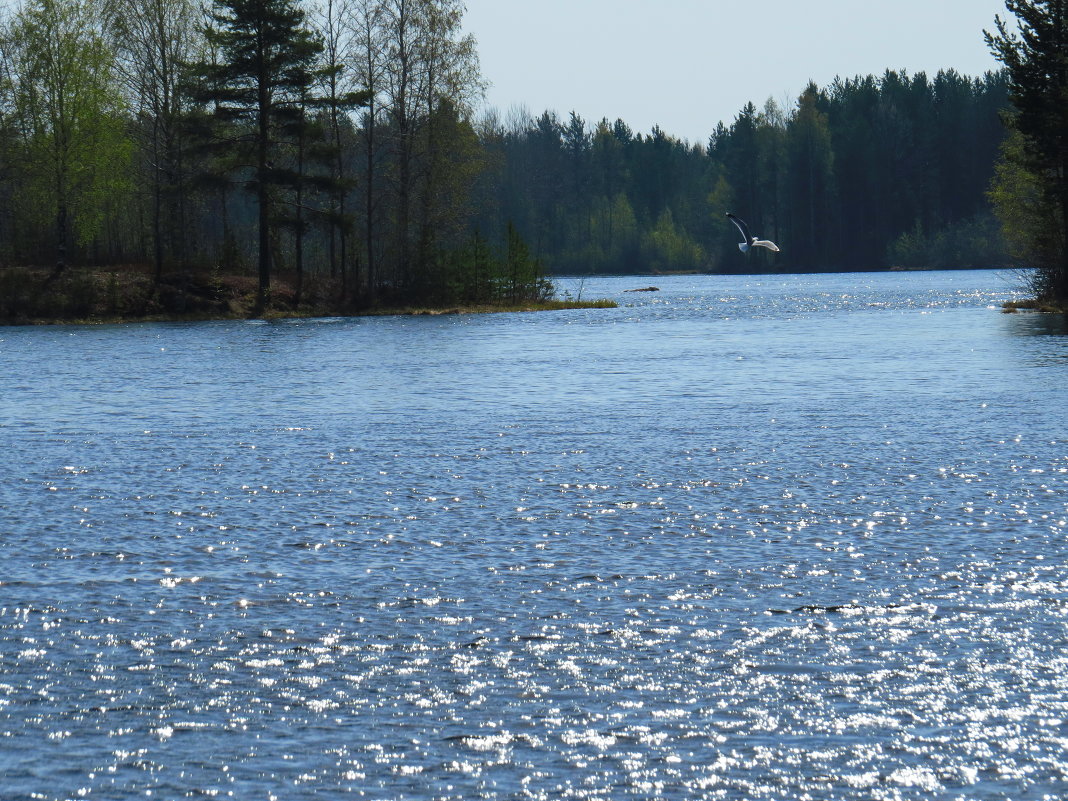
point(128, 293)
point(1014, 306)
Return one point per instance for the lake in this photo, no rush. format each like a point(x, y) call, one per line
point(746, 537)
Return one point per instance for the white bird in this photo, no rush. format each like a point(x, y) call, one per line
point(748, 240)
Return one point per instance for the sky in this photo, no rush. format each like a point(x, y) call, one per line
point(686, 65)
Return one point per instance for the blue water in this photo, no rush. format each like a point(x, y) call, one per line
point(742, 538)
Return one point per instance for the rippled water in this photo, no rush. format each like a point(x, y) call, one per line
point(743, 538)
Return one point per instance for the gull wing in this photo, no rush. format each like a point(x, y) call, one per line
point(766, 243)
point(741, 227)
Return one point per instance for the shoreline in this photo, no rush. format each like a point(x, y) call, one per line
point(129, 294)
point(276, 315)
point(1032, 305)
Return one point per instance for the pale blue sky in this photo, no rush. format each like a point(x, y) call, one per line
point(687, 64)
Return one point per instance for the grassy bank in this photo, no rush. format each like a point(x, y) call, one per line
point(1013, 306)
point(30, 295)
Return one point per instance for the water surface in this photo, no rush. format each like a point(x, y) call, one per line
point(742, 538)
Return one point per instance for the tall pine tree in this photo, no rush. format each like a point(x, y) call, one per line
point(261, 77)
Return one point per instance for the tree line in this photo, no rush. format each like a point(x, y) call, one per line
point(867, 173)
point(335, 144)
point(331, 143)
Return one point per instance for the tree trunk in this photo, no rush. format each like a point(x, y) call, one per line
point(263, 196)
point(372, 278)
point(62, 221)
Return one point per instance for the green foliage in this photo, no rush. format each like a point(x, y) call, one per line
point(1030, 191)
point(474, 271)
point(522, 277)
point(1029, 218)
point(836, 180)
point(266, 53)
point(666, 248)
point(810, 181)
point(73, 154)
point(975, 242)
point(473, 274)
point(614, 236)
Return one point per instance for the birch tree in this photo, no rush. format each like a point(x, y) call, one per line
point(69, 114)
point(431, 72)
point(337, 24)
point(449, 85)
point(365, 20)
point(154, 39)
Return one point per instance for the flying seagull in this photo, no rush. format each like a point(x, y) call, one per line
point(749, 241)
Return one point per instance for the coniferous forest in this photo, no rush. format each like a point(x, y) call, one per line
point(868, 173)
point(333, 154)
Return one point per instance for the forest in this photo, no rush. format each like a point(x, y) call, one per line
point(336, 153)
point(868, 173)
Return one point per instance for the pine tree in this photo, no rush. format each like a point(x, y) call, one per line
point(1036, 58)
point(260, 81)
